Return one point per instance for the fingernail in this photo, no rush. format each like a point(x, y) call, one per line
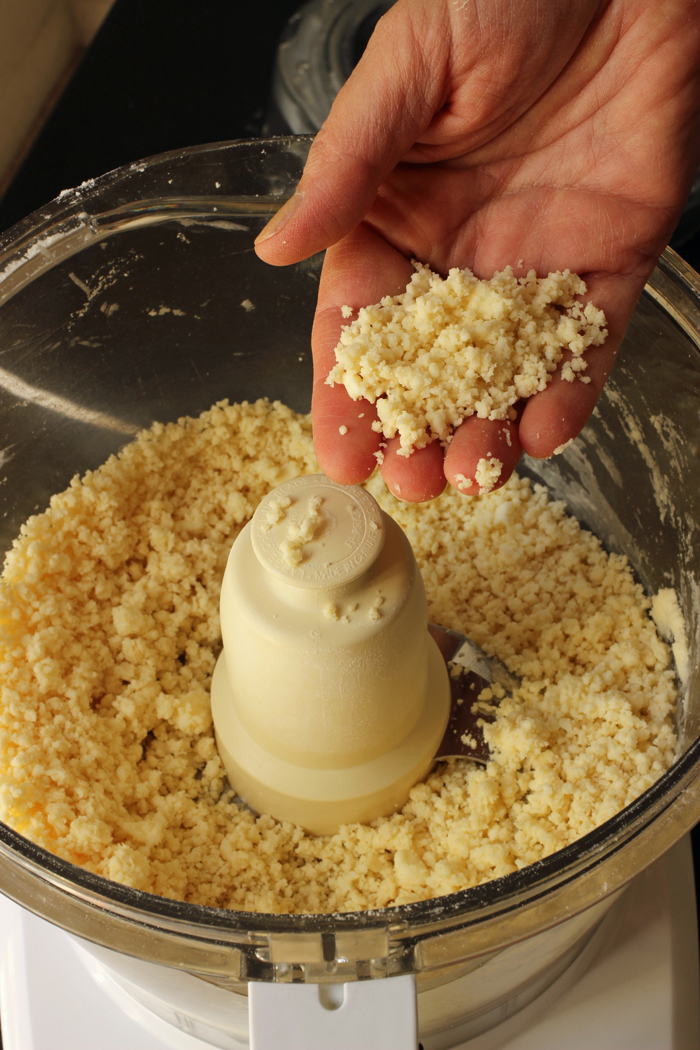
point(278, 221)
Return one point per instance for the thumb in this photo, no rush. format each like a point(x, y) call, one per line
point(388, 101)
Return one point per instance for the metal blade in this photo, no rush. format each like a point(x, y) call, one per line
point(471, 670)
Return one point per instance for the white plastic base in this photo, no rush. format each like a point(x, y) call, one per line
point(372, 1015)
point(639, 991)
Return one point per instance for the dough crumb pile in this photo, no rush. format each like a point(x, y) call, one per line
point(447, 349)
point(109, 632)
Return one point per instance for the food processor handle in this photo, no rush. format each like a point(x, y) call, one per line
point(374, 1015)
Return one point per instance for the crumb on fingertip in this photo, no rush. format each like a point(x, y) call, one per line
point(488, 471)
point(343, 430)
point(346, 311)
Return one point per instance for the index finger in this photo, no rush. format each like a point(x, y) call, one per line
point(360, 269)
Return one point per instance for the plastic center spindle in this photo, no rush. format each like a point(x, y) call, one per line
point(330, 699)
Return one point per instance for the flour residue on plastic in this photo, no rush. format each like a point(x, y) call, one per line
point(666, 614)
point(675, 444)
point(584, 495)
point(38, 248)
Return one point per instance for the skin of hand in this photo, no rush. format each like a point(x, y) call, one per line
point(477, 133)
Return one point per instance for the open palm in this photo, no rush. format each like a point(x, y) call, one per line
point(489, 133)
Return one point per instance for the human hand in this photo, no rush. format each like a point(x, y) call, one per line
point(486, 133)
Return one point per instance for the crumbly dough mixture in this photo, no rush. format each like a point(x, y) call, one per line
point(447, 349)
point(488, 471)
point(298, 535)
point(110, 631)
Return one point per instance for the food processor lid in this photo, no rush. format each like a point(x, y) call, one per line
point(343, 544)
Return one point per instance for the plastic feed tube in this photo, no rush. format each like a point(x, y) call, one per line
point(330, 698)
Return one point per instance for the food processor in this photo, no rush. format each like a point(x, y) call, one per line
point(138, 297)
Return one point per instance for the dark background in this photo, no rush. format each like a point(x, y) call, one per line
point(160, 75)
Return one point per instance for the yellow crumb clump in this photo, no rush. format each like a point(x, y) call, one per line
point(488, 471)
point(110, 631)
point(298, 535)
point(447, 349)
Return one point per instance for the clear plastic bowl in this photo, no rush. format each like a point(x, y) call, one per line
point(120, 303)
